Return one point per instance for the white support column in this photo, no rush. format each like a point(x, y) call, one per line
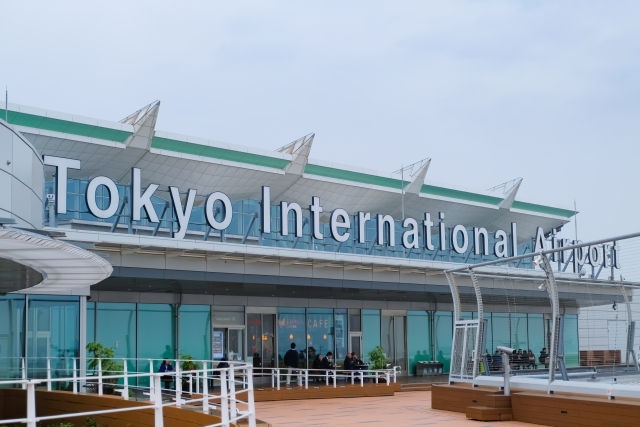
point(480, 331)
point(48, 374)
point(31, 404)
point(82, 351)
point(205, 389)
point(224, 400)
point(250, 400)
point(157, 401)
point(555, 309)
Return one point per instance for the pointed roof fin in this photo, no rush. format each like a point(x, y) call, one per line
point(299, 150)
point(144, 124)
point(418, 179)
point(510, 195)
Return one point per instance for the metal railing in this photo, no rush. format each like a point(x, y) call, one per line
point(330, 377)
point(232, 381)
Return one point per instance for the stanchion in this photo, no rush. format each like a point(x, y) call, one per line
point(157, 405)
point(31, 404)
point(205, 389)
point(250, 400)
point(48, 374)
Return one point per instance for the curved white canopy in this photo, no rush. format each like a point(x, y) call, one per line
point(64, 267)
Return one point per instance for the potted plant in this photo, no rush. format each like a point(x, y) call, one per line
point(378, 359)
point(108, 364)
point(188, 363)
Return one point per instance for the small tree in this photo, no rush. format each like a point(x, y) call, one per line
point(188, 363)
point(377, 357)
point(107, 354)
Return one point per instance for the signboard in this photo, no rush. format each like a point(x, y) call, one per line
point(218, 345)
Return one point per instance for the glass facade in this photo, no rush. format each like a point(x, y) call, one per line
point(571, 343)
point(245, 222)
point(115, 326)
point(11, 335)
point(418, 338)
point(195, 331)
point(155, 336)
point(291, 329)
point(319, 333)
point(443, 337)
point(370, 331)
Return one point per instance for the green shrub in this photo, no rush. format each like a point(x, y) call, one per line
point(376, 356)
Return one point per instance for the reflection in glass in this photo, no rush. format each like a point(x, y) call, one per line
point(319, 333)
point(11, 335)
point(195, 331)
point(418, 339)
point(370, 331)
point(155, 336)
point(291, 329)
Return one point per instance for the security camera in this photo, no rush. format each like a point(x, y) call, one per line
point(537, 260)
point(543, 287)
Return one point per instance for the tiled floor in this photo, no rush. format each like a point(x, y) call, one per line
point(403, 409)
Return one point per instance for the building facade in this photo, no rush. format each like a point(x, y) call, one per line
point(218, 250)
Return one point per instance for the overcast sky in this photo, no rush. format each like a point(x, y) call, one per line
point(491, 91)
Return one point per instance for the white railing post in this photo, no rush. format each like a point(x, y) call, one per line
point(395, 372)
point(48, 374)
point(157, 404)
point(75, 381)
point(224, 401)
point(125, 392)
point(178, 385)
point(250, 400)
point(100, 377)
point(152, 383)
point(190, 379)
point(31, 404)
point(197, 382)
point(278, 381)
point(306, 379)
point(205, 389)
point(387, 377)
point(334, 379)
point(326, 377)
point(352, 378)
point(232, 391)
point(24, 373)
point(361, 378)
point(376, 373)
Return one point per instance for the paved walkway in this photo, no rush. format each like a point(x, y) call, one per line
point(403, 409)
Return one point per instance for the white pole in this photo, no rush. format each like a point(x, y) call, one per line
point(48, 374)
point(178, 386)
point(31, 404)
point(197, 382)
point(100, 377)
point(387, 377)
point(205, 389)
point(73, 369)
point(24, 373)
point(250, 401)
point(232, 391)
point(334, 379)
point(224, 401)
point(158, 417)
point(306, 379)
point(278, 374)
point(152, 383)
point(352, 378)
point(125, 393)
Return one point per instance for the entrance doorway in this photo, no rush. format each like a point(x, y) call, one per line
point(394, 341)
point(228, 343)
point(261, 340)
point(355, 343)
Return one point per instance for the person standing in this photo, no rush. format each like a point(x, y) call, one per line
point(291, 362)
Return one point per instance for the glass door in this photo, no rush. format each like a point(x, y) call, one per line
point(261, 340)
point(355, 344)
point(227, 344)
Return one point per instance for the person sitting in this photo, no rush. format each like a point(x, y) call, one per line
point(356, 362)
point(543, 357)
point(348, 363)
point(317, 369)
point(519, 359)
point(327, 362)
point(166, 379)
point(532, 360)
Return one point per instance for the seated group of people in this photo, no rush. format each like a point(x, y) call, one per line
point(522, 359)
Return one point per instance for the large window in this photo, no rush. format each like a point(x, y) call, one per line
point(536, 333)
point(319, 333)
point(195, 331)
point(291, 329)
point(444, 337)
point(116, 327)
point(418, 339)
point(155, 336)
point(519, 339)
point(571, 347)
point(370, 331)
point(11, 335)
point(53, 328)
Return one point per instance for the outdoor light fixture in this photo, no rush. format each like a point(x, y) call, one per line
point(543, 287)
point(537, 260)
point(615, 305)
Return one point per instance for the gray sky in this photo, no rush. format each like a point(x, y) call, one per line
point(490, 90)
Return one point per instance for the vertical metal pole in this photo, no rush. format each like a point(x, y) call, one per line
point(125, 393)
point(306, 379)
point(82, 351)
point(31, 404)
point(224, 400)
point(178, 385)
point(250, 401)
point(48, 374)
point(205, 389)
point(75, 381)
point(100, 377)
point(507, 373)
point(232, 391)
point(24, 372)
point(152, 383)
point(157, 405)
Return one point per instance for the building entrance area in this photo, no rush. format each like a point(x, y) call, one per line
point(261, 340)
point(394, 338)
point(228, 343)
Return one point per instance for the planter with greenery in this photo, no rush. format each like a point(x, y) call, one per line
point(108, 364)
point(188, 363)
point(377, 358)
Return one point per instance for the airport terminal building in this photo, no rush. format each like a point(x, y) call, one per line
point(159, 245)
